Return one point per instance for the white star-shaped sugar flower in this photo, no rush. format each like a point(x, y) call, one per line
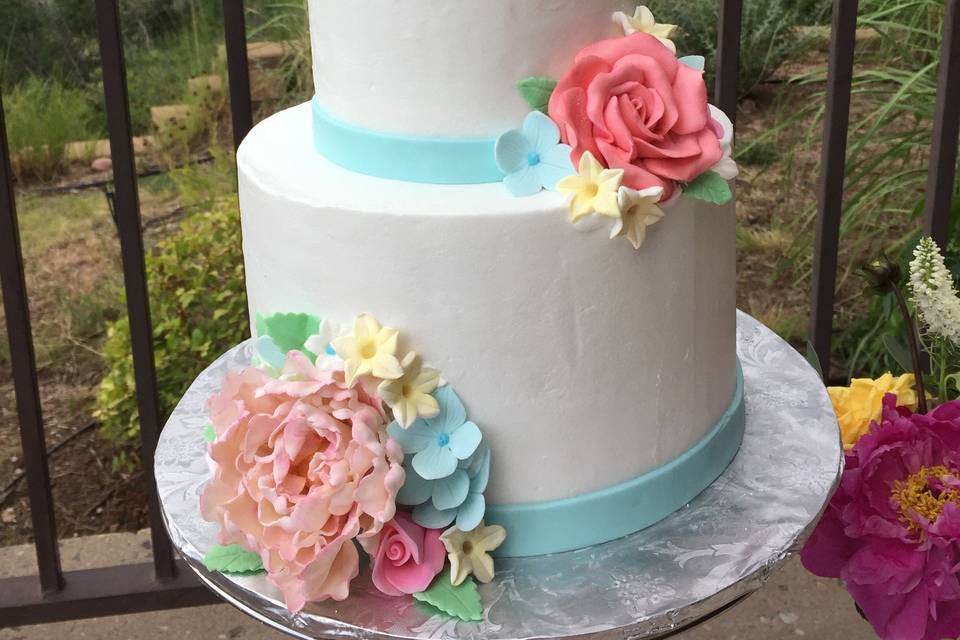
point(638, 210)
point(642, 21)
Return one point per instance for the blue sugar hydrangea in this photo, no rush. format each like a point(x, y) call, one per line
point(457, 497)
point(438, 444)
point(532, 157)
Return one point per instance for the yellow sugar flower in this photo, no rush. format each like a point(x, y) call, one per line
point(642, 21)
point(470, 552)
point(861, 403)
point(409, 395)
point(593, 190)
point(369, 349)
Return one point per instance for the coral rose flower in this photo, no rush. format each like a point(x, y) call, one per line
point(635, 107)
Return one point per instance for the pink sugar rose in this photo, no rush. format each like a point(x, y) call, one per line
point(892, 530)
point(406, 557)
point(635, 107)
point(302, 466)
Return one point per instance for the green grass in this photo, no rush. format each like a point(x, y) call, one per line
point(49, 220)
point(43, 116)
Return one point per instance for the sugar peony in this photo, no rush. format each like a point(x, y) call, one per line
point(303, 465)
point(892, 530)
point(634, 106)
point(406, 557)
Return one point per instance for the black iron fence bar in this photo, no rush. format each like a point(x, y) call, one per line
point(728, 57)
point(238, 70)
point(127, 211)
point(832, 169)
point(25, 380)
point(946, 128)
point(93, 593)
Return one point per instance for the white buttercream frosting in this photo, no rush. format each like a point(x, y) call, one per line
point(444, 68)
point(585, 362)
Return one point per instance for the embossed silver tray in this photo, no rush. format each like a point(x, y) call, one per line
point(699, 560)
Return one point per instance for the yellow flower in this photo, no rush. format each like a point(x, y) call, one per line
point(861, 403)
point(638, 210)
point(409, 395)
point(470, 552)
point(369, 349)
point(642, 21)
point(594, 190)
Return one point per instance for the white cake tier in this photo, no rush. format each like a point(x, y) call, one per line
point(443, 68)
point(584, 362)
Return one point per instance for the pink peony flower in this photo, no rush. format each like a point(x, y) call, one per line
point(302, 466)
point(406, 557)
point(892, 530)
point(631, 103)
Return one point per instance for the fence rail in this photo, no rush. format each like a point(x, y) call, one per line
point(53, 595)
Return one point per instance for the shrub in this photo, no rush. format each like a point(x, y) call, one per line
point(769, 34)
point(199, 309)
point(42, 117)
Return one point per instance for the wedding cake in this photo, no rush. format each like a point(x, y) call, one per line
point(490, 270)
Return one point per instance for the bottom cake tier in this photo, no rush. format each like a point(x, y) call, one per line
point(604, 378)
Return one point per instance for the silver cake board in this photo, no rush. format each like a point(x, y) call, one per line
point(689, 566)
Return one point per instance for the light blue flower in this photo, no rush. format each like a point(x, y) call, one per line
point(458, 497)
point(694, 62)
point(441, 442)
point(532, 157)
point(268, 353)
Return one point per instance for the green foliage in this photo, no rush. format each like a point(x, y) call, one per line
point(42, 117)
point(199, 310)
point(894, 98)
point(58, 38)
point(537, 91)
point(232, 558)
point(461, 601)
point(289, 331)
point(286, 21)
point(875, 341)
point(769, 34)
point(710, 187)
point(760, 154)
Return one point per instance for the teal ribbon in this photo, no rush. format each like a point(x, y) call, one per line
point(400, 157)
point(600, 516)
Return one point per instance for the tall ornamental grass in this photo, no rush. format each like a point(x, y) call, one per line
point(42, 117)
point(891, 128)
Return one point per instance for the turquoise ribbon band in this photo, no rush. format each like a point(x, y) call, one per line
point(399, 157)
point(610, 513)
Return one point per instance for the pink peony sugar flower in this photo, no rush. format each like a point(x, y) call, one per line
point(303, 465)
point(406, 557)
point(892, 530)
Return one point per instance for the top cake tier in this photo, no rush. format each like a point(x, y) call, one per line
point(445, 67)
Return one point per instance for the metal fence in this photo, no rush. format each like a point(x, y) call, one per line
point(166, 583)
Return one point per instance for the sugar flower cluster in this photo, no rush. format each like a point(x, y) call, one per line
point(332, 443)
point(622, 133)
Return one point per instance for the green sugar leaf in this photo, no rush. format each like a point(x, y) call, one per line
point(461, 601)
point(537, 91)
point(709, 187)
point(288, 330)
point(209, 434)
point(232, 558)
